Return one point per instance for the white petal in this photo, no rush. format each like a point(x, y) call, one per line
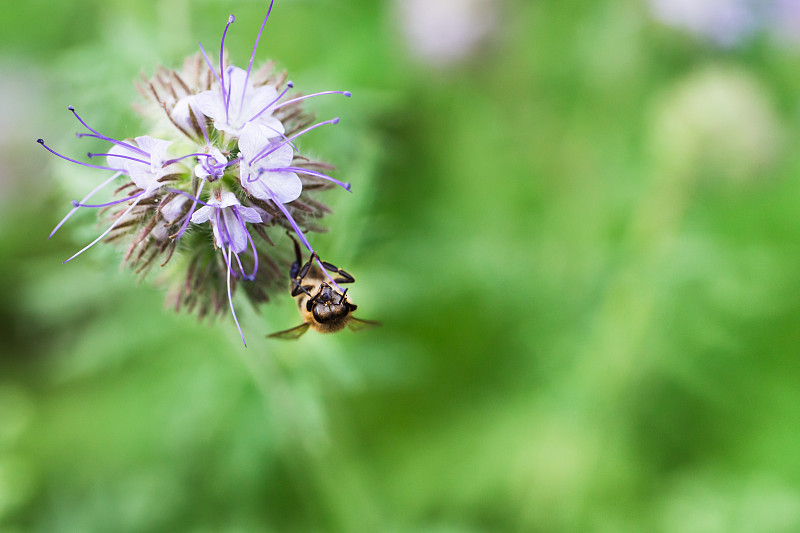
point(182, 112)
point(228, 199)
point(200, 171)
point(235, 86)
point(173, 208)
point(157, 149)
point(286, 186)
point(253, 139)
point(273, 125)
point(217, 237)
point(203, 214)
point(236, 233)
point(279, 158)
point(210, 103)
point(217, 155)
point(249, 214)
point(256, 188)
point(257, 99)
point(120, 162)
point(142, 176)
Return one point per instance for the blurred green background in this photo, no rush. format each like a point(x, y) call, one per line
point(579, 227)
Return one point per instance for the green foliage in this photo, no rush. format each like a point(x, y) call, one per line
point(582, 243)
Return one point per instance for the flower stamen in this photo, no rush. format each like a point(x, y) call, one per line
point(76, 203)
point(91, 155)
point(195, 201)
point(268, 150)
point(255, 46)
point(85, 198)
point(208, 62)
point(41, 141)
point(300, 170)
point(301, 235)
point(106, 232)
point(252, 276)
point(103, 137)
point(230, 299)
point(227, 96)
point(289, 85)
point(299, 98)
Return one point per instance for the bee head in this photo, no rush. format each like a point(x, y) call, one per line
point(329, 305)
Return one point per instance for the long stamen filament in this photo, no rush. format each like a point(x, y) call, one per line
point(293, 100)
point(224, 226)
point(252, 245)
point(90, 155)
point(228, 164)
point(208, 62)
point(191, 210)
point(266, 151)
point(41, 141)
point(186, 194)
point(170, 161)
point(300, 234)
point(113, 141)
point(300, 170)
point(75, 203)
point(101, 136)
point(253, 54)
point(230, 299)
point(227, 96)
point(106, 232)
point(289, 85)
point(85, 198)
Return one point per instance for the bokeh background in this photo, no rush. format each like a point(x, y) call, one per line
point(579, 223)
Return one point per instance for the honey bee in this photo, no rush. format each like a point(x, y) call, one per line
point(322, 307)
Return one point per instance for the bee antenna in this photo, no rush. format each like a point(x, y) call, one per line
point(343, 296)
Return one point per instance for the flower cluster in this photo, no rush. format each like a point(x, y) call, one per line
point(227, 174)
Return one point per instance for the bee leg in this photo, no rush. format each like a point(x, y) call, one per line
point(311, 301)
point(344, 277)
point(298, 273)
point(298, 259)
point(301, 274)
point(301, 288)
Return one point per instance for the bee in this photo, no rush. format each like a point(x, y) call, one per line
point(322, 307)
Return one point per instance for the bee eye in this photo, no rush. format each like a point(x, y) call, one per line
point(323, 313)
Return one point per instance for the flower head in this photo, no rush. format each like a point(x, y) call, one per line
point(234, 128)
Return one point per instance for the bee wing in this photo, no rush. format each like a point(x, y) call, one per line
point(290, 334)
point(357, 324)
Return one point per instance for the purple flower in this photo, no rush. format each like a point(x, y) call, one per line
point(144, 160)
point(238, 128)
point(211, 168)
point(227, 217)
point(237, 103)
point(261, 166)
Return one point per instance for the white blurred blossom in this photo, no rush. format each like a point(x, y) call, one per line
point(718, 122)
point(442, 32)
point(728, 23)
